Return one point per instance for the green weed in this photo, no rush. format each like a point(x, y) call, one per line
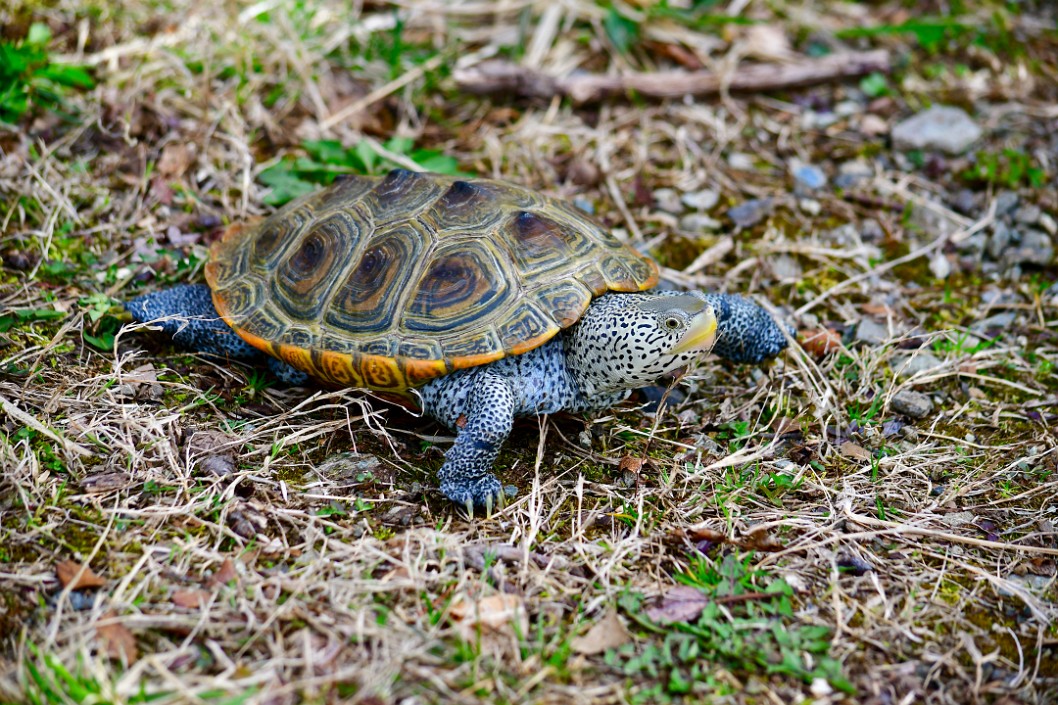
point(1010, 168)
point(28, 76)
point(328, 159)
point(757, 635)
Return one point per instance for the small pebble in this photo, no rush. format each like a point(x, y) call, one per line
point(699, 222)
point(667, 200)
point(584, 204)
point(751, 212)
point(994, 326)
point(871, 332)
point(701, 200)
point(1028, 215)
point(910, 365)
point(740, 161)
point(1006, 202)
point(965, 202)
point(944, 128)
point(1002, 234)
point(873, 125)
point(1035, 248)
point(810, 206)
point(1047, 223)
point(939, 266)
point(910, 403)
point(807, 177)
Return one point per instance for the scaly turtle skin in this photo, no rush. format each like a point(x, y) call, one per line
point(482, 299)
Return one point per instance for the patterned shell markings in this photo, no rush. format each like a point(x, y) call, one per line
point(388, 282)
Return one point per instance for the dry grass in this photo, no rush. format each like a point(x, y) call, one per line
point(293, 571)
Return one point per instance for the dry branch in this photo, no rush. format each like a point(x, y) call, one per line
point(504, 77)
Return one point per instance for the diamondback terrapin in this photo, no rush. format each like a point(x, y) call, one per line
point(487, 299)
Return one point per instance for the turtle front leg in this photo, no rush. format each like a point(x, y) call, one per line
point(482, 427)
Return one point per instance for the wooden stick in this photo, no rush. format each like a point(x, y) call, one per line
point(497, 76)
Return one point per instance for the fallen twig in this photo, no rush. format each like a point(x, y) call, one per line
point(497, 76)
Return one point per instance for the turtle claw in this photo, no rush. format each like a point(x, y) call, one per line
point(481, 494)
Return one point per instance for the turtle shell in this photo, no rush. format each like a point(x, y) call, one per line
point(389, 282)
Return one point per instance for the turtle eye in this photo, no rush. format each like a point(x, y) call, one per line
point(673, 323)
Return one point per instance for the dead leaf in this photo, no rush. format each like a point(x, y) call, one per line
point(608, 633)
point(854, 451)
point(820, 341)
point(704, 534)
point(495, 613)
point(760, 540)
point(175, 159)
point(767, 42)
point(224, 575)
point(877, 310)
point(191, 599)
point(105, 482)
point(67, 572)
point(118, 642)
point(682, 603)
point(630, 464)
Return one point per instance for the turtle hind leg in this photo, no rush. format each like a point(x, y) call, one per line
point(466, 476)
point(287, 374)
point(187, 314)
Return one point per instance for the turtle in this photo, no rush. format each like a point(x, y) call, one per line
point(478, 299)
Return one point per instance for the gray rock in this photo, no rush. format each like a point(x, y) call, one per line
point(751, 212)
point(667, 200)
point(975, 244)
point(699, 222)
point(1047, 223)
point(701, 200)
point(939, 266)
point(350, 466)
point(852, 173)
point(807, 177)
point(786, 268)
point(914, 404)
point(1035, 248)
point(1002, 235)
point(1006, 202)
point(871, 230)
point(941, 128)
point(994, 324)
point(1028, 215)
point(911, 365)
point(871, 332)
point(740, 161)
point(965, 202)
point(810, 206)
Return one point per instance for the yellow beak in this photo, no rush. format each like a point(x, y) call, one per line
point(701, 335)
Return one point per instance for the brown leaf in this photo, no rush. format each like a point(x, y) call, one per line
point(854, 451)
point(105, 482)
point(67, 572)
point(630, 464)
point(878, 310)
point(682, 603)
point(176, 158)
point(608, 633)
point(494, 613)
point(704, 534)
point(191, 599)
point(820, 341)
point(118, 642)
point(760, 540)
point(224, 575)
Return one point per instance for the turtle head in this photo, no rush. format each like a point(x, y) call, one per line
point(625, 341)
